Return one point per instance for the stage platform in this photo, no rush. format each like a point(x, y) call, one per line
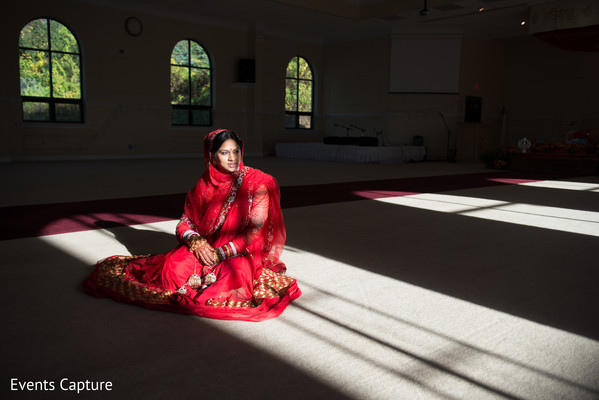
point(348, 153)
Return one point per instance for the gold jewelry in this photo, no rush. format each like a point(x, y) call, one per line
point(217, 257)
point(209, 280)
point(194, 281)
point(195, 242)
point(227, 251)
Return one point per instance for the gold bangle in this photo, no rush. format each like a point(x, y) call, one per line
point(227, 251)
point(217, 257)
point(195, 242)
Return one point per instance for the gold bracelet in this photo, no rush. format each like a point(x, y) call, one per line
point(217, 257)
point(227, 251)
point(195, 242)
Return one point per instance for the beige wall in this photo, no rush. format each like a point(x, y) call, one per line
point(550, 92)
point(356, 81)
point(546, 91)
point(357, 93)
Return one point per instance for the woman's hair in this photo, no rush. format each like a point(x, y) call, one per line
point(222, 137)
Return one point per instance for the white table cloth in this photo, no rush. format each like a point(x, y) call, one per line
point(346, 153)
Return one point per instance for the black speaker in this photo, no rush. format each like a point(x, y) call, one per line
point(247, 70)
point(474, 107)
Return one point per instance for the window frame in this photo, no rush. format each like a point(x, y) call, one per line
point(190, 107)
point(51, 100)
point(298, 114)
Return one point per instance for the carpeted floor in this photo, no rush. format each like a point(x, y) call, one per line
point(420, 281)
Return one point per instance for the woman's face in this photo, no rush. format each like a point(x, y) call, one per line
point(228, 157)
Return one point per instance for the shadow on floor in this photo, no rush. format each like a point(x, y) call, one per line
point(53, 330)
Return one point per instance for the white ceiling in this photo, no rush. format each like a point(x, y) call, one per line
point(326, 21)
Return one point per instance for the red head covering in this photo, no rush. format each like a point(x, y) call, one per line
point(216, 176)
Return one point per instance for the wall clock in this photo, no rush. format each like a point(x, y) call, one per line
point(133, 26)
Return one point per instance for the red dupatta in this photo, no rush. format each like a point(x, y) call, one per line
point(220, 196)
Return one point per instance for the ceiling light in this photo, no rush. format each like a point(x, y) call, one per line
point(481, 9)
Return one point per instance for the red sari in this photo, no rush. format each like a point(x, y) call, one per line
point(240, 211)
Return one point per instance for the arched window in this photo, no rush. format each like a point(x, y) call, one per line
point(50, 72)
point(298, 94)
point(191, 89)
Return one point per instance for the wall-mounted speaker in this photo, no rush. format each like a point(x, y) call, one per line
point(247, 70)
point(474, 107)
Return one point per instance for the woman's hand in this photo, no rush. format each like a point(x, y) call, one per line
point(206, 254)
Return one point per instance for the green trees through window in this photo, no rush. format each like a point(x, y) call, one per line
point(50, 72)
point(191, 91)
point(51, 80)
point(298, 94)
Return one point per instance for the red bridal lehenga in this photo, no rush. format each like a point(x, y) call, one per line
point(239, 213)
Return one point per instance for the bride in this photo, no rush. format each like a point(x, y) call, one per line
point(231, 235)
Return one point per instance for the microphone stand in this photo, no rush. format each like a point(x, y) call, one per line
point(379, 133)
point(450, 156)
point(360, 129)
point(347, 128)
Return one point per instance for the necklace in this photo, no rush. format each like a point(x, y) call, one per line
point(195, 280)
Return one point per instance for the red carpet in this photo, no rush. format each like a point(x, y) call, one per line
point(50, 219)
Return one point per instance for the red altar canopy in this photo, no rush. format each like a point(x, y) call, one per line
point(574, 39)
point(567, 24)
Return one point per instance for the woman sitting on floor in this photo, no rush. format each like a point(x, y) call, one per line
point(227, 265)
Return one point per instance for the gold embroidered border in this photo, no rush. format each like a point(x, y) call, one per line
point(111, 276)
point(231, 196)
point(269, 285)
point(230, 303)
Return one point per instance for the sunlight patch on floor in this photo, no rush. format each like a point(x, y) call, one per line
point(94, 245)
point(565, 185)
point(549, 184)
point(555, 218)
